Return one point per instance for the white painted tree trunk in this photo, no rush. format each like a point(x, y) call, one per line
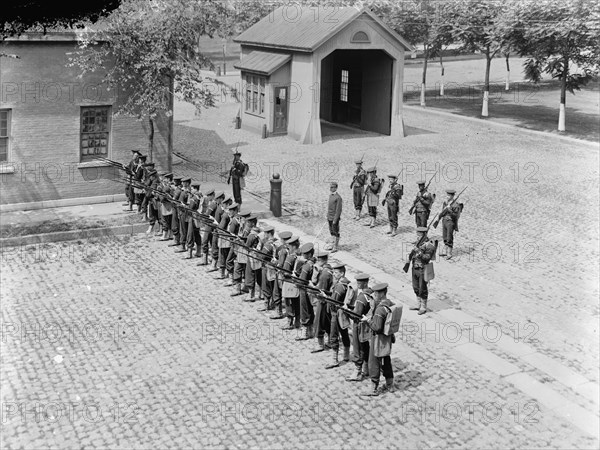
point(422, 94)
point(561, 118)
point(507, 87)
point(484, 109)
point(442, 87)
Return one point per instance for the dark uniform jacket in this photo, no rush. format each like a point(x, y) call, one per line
point(394, 194)
point(359, 180)
point(423, 201)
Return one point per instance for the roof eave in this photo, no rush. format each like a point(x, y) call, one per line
point(280, 47)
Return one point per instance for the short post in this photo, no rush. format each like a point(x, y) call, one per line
point(264, 131)
point(275, 205)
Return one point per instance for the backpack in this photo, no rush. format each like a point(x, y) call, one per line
point(246, 170)
point(381, 181)
point(350, 298)
point(392, 320)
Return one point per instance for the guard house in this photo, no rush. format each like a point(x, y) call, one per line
point(303, 65)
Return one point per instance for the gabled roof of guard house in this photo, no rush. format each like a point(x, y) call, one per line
point(306, 28)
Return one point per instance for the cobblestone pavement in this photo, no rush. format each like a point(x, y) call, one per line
point(123, 344)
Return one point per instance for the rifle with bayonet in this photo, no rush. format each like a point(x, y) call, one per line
point(412, 208)
point(417, 245)
point(445, 210)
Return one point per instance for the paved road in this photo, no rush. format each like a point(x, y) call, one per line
point(135, 347)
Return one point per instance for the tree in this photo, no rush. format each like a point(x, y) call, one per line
point(19, 16)
point(422, 22)
point(149, 50)
point(560, 37)
point(481, 26)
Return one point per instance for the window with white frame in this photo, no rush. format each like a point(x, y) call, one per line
point(4, 134)
point(255, 94)
point(95, 132)
point(344, 86)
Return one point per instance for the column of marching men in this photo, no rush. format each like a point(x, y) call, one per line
point(295, 280)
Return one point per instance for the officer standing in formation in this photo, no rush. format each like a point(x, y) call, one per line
point(237, 172)
point(392, 198)
point(374, 186)
point(334, 213)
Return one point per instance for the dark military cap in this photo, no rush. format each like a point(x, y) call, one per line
point(344, 280)
point(422, 230)
point(294, 240)
point(143, 157)
point(268, 228)
point(152, 172)
point(136, 151)
point(379, 287)
point(421, 182)
point(322, 254)
point(196, 186)
point(236, 152)
point(169, 176)
point(392, 175)
point(450, 191)
point(227, 198)
point(358, 161)
point(177, 178)
point(186, 180)
point(372, 169)
point(162, 174)
point(308, 247)
point(233, 205)
point(333, 184)
point(210, 192)
point(362, 277)
point(245, 214)
point(252, 217)
point(220, 194)
point(285, 235)
point(338, 265)
point(150, 164)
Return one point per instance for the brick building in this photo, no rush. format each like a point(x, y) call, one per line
point(53, 122)
point(301, 66)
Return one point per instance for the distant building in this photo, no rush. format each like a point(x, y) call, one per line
point(300, 65)
point(54, 122)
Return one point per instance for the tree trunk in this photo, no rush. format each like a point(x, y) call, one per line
point(423, 81)
point(151, 138)
point(507, 87)
point(486, 86)
point(442, 81)
point(170, 132)
point(563, 96)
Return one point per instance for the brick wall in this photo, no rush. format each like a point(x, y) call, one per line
point(45, 97)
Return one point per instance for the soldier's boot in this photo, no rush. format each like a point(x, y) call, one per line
point(334, 361)
point(175, 243)
point(449, 253)
point(358, 377)
point(238, 290)
point(182, 249)
point(164, 236)
point(290, 325)
point(149, 230)
point(222, 276)
point(444, 252)
point(390, 230)
point(394, 231)
point(388, 387)
point(336, 242)
point(417, 306)
point(365, 370)
point(251, 298)
point(204, 261)
point(373, 392)
point(372, 225)
point(230, 281)
point(320, 345)
point(305, 334)
point(190, 255)
point(214, 267)
point(346, 354)
point(423, 308)
point(279, 314)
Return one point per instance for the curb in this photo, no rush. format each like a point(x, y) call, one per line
point(90, 233)
point(77, 201)
point(491, 122)
point(33, 239)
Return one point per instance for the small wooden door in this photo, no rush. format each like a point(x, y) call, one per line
point(281, 110)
